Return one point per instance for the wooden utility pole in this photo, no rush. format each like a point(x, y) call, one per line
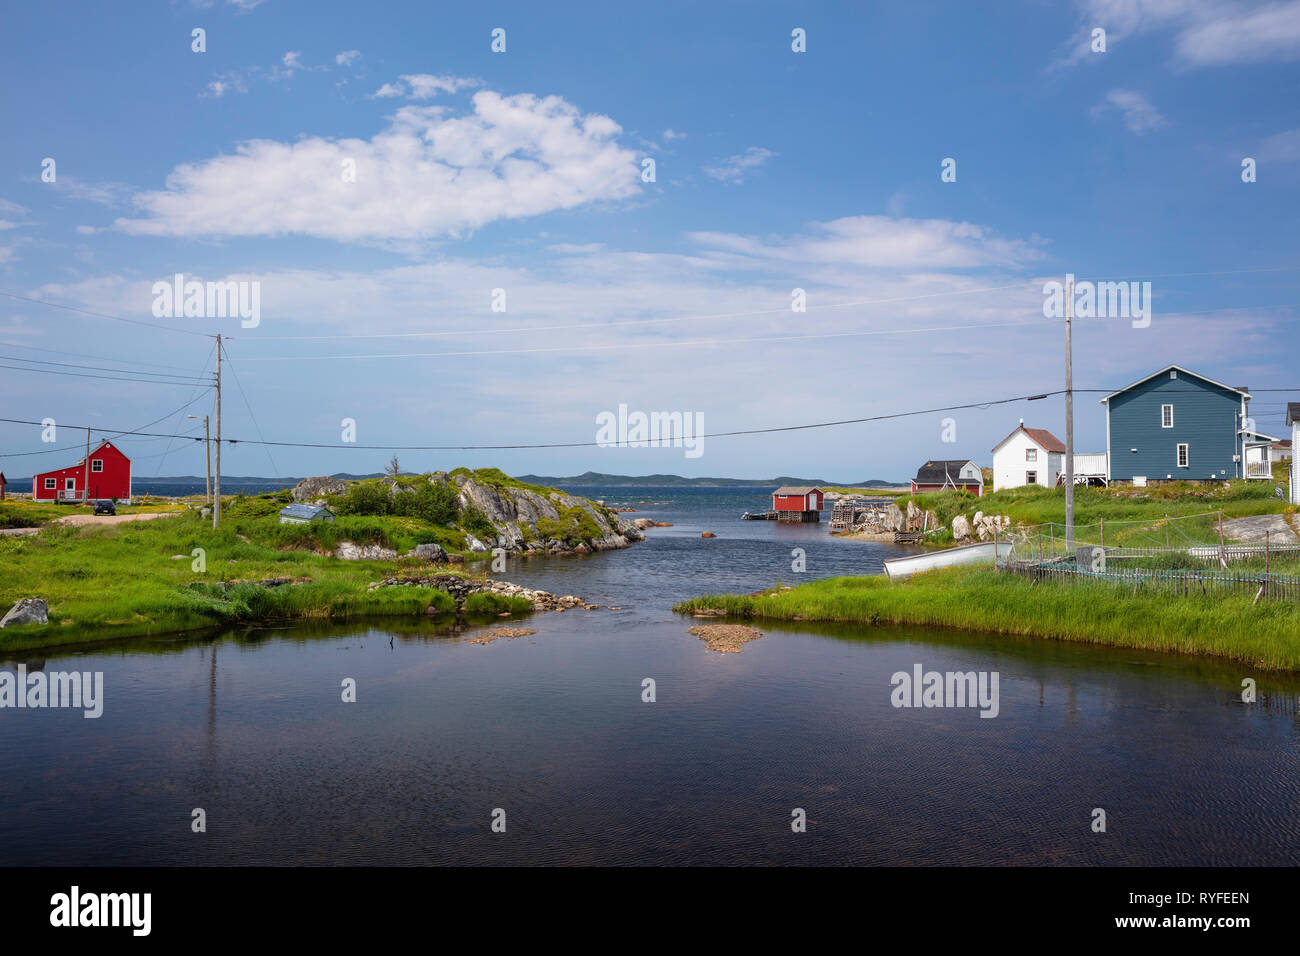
point(1069, 415)
point(85, 481)
point(216, 485)
point(207, 453)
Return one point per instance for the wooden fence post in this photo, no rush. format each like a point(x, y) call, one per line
point(1166, 532)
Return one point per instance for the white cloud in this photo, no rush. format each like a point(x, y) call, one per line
point(1139, 114)
point(672, 134)
point(11, 215)
point(1205, 32)
point(346, 57)
point(430, 173)
point(734, 169)
point(1280, 148)
point(423, 86)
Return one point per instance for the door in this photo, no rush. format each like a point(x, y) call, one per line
point(69, 487)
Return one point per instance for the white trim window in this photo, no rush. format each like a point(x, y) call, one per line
point(1031, 477)
point(1182, 455)
point(96, 464)
point(51, 484)
point(1031, 454)
point(1166, 416)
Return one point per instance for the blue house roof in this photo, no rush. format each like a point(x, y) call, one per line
point(307, 512)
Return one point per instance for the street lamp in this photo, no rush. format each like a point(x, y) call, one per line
point(207, 446)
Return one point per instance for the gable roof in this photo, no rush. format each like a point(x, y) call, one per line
point(795, 490)
point(937, 472)
point(304, 511)
point(1041, 436)
point(1292, 412)
point(1174, 368)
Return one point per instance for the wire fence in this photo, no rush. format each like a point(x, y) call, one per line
point(1267, 586)
point(1192, 555)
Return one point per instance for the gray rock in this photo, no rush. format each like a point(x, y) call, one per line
point(475, 545)
point(960, 528)
point(371, 552)
point(309, 489)
point(27, 611)
point(430, 552)
point(1252, 529)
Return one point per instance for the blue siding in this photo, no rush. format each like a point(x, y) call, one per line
point(1205, 419)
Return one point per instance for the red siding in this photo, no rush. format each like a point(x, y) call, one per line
point(809, 502)
point(114, 481)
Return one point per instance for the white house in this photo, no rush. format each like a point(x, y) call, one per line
point(1293, 419)
point(1028, 456)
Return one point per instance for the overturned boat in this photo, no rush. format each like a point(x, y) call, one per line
point(986, 552)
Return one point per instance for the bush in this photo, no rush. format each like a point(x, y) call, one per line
point(486, 602)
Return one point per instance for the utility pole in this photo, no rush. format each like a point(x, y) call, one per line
point(216, 487)
point(85, 481)
point(207, 451)
point(1069, 415)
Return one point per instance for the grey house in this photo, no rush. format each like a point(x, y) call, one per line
point(1175, 425)
point(305, 514)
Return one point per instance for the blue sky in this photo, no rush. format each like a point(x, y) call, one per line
point(521, 171)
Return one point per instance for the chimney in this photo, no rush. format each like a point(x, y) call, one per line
point(1022, 423)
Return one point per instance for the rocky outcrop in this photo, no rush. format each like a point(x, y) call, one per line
point(27, 611)
point(981, 527)
point(370, 552)
point(311, 489)
point(460, 588)
point(516, 512)
point(429, 552)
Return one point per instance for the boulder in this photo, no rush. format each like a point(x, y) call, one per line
point(27, 611)
point(475, 545)
point(960, 528)
point(370, 552)
point(707, 534)
point(892, 518)
point(309, 489)
point(429, 552)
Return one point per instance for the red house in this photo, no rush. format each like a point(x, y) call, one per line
point(797, 503)
point(108, 475)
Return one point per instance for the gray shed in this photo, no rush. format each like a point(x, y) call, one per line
point(305, 514)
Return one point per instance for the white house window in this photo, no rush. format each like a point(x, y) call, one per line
point(1182, 456)
point(1166, 416)
point(1031, 454)
point(96, 464)
point(50, 484)
point(1031, 477)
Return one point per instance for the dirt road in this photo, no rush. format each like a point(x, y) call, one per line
point(113, 519)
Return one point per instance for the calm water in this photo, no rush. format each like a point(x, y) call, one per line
point(552, 729)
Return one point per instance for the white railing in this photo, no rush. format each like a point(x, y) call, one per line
point(1259, 469)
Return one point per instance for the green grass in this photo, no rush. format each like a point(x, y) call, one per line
point(122, 580)
point(486, 602)
point(1266, 636)
point(1032, 505)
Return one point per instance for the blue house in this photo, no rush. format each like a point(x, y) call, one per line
point(1175, 425)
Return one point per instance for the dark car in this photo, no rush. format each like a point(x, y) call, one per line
point(105, 508)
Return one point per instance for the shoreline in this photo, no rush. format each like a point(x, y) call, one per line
point(982, 599)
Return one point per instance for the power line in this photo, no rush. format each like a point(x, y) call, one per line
point(100, 368)
point(102, 358)
point(111, 378)
point(101, 315)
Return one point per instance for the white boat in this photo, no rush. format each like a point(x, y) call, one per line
point(983, 553)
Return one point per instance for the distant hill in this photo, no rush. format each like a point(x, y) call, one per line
point(593, 478)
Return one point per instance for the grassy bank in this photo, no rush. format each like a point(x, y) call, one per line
point(142, 578)
point(1266, 636)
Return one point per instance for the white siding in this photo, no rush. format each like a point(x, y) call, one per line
point(1295, 465)
point(1010, 465)
point(1091, 465)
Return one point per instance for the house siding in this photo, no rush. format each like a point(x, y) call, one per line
point(1205, 419)
point(1295, 463)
